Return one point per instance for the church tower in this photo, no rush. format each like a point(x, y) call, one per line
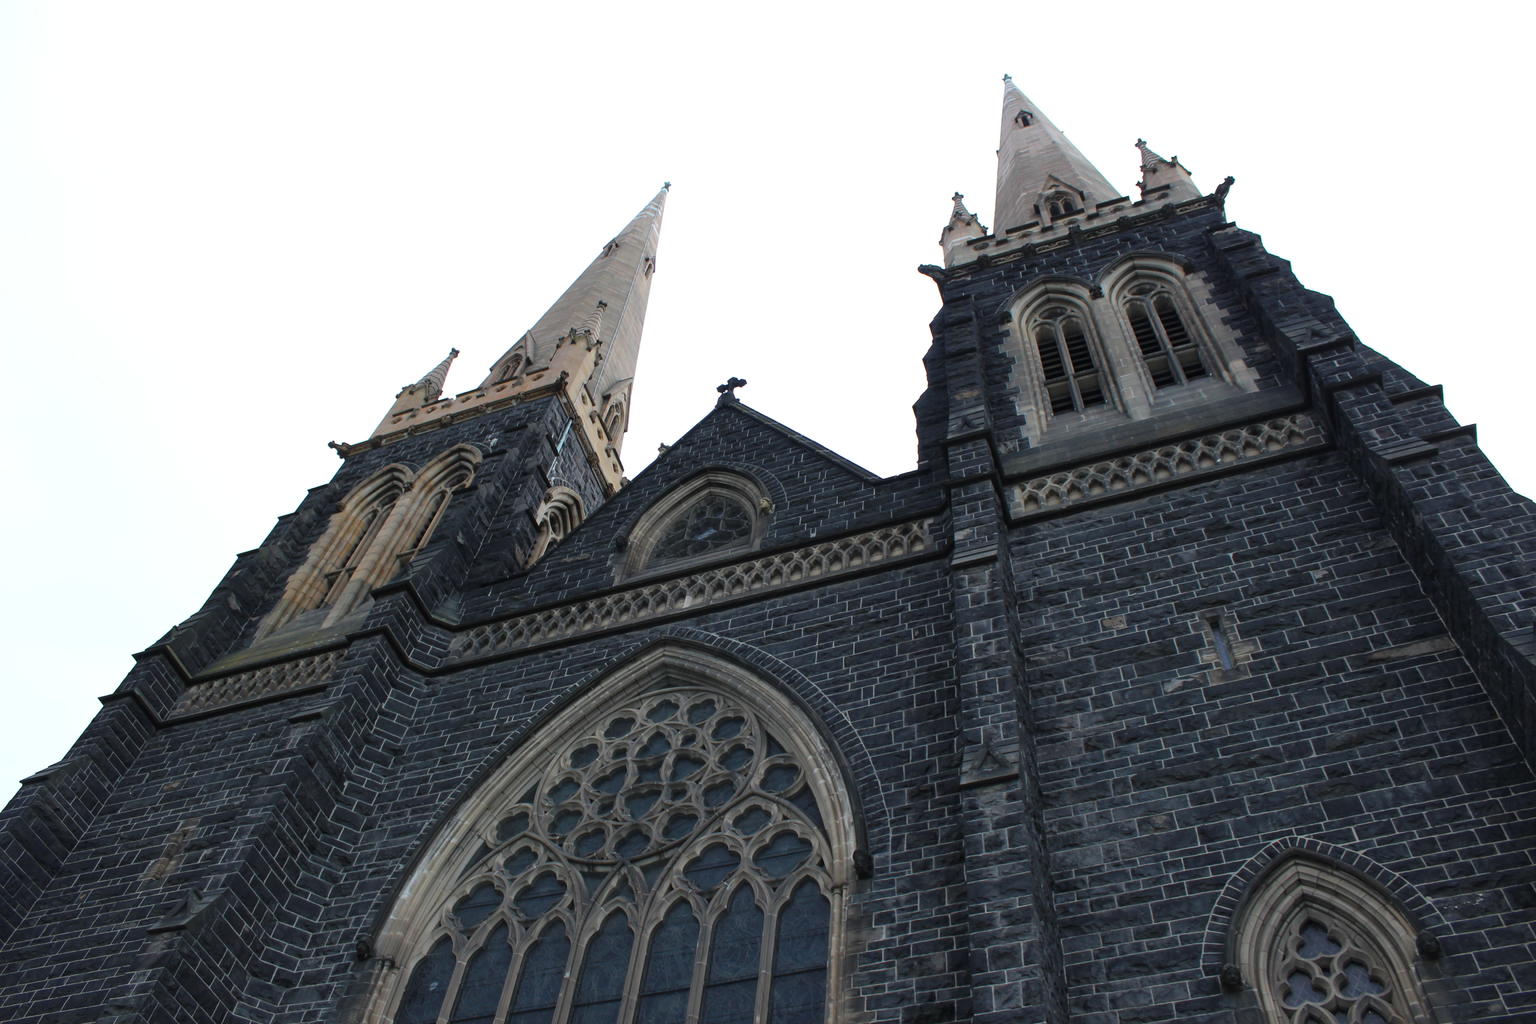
point(1188, 677)
point(1208, 552)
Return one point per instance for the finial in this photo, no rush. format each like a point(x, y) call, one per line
point(1007, 78)
point(728, 390)
point(666, 186)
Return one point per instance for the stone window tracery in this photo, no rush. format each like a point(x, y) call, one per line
point(715, 522)
point(709, 516)
point(1320, 945)
point(672, 860)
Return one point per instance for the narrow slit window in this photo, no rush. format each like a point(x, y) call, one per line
point(1221, 643)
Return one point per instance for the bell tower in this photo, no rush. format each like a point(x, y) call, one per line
point(1099, 313)
point(451, 488)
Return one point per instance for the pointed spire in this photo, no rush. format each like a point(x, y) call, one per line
point(432, 383)
point(609, 298)
point(416, 396)
point(1157, 173)
point(1149, 159)
point(1041, 176)
point(962, 227)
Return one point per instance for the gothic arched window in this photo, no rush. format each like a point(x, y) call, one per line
point(561, 513)
point(1321, 945)
point(709, 516)
point(677, 854)
point(378, 529)
point(1167, 346)
point(1062, 204)
point(1068, 369)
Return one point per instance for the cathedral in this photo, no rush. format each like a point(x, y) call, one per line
point(1188, 677)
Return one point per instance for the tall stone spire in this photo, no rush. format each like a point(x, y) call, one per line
point(584, 348)
point(605, 305)
point(1040, 175)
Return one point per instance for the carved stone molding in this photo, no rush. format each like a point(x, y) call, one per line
point(260, 682)
point(697, 590)
point(1195, 455)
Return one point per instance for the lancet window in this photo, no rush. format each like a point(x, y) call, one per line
point(672, 859)
point(379, 528)
point(1167, 347)
point(1323, 946)
point(1069, 371)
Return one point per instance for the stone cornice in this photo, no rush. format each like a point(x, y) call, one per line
point(1011, 246)
point(777, 571)
point(1193, 456)
point(772, 572)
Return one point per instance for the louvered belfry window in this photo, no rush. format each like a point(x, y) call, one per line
point(1071, 374)
point(1170, 352)
point(668, 864)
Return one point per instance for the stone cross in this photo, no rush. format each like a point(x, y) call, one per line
point(728, 389)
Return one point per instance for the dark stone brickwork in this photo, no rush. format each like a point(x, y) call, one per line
point(1064, 786)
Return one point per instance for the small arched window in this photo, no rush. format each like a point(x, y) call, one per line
point(1068, 368)
point(1319, 943)
point(672, 855)
point(1167, 347)
point(561, 512)
point(1061, 204)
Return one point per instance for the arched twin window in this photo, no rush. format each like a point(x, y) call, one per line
point(1061, 204)
point(379, 528)
point(710, 516)
point(1116, 345)
point(675, 854)
point(1322, 945)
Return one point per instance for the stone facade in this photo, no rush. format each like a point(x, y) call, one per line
point(1086, 682)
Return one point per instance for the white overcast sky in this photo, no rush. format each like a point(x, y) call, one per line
point(229, 232)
